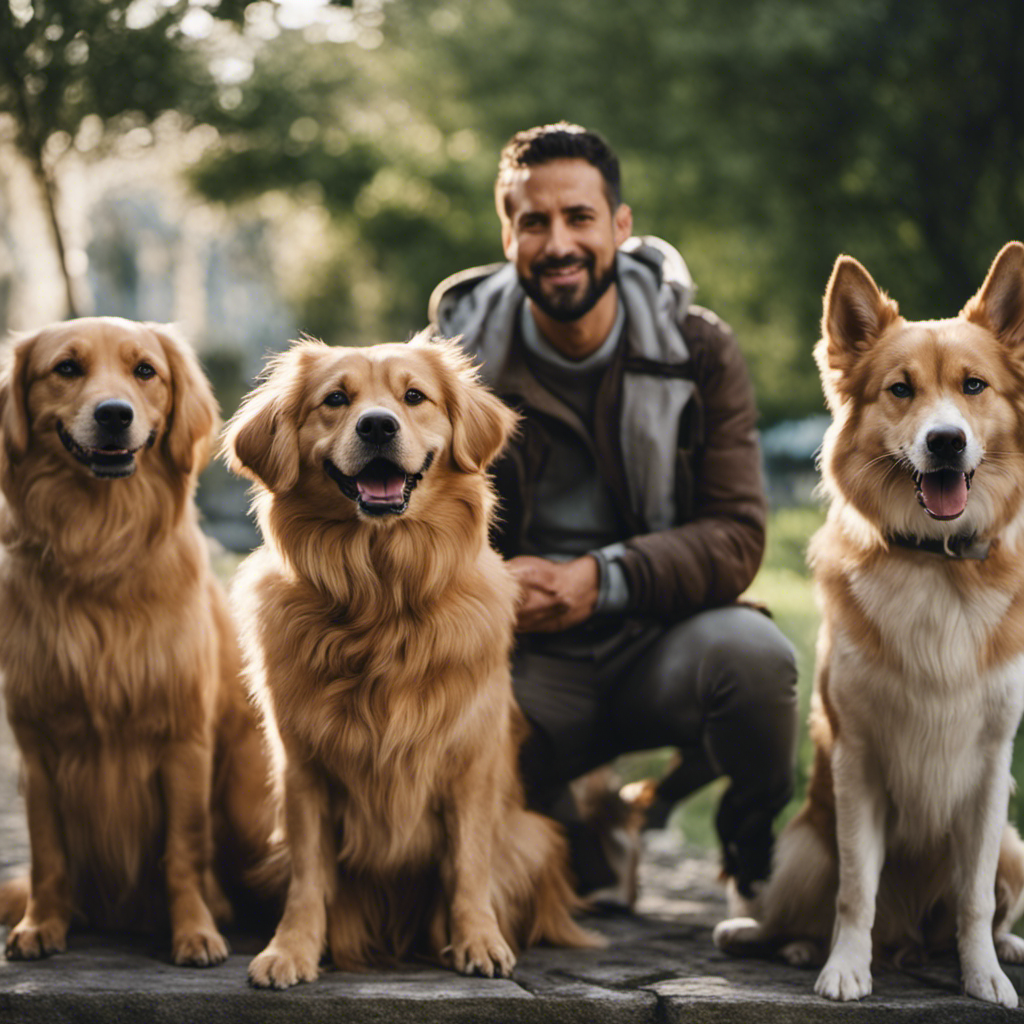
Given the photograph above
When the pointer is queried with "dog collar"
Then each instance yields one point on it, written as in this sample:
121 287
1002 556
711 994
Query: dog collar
964 546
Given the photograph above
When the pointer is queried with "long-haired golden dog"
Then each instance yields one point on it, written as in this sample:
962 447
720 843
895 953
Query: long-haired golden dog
903 842
378 623
120 662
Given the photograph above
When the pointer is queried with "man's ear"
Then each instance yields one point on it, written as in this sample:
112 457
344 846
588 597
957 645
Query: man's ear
261 440
14 421
999 303
195 414
623 223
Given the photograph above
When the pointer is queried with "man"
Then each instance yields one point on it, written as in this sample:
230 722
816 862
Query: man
632 504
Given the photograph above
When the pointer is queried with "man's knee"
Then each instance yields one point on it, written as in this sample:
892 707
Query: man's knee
746 658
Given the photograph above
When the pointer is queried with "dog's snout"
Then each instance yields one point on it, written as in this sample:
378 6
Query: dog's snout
114 414
946 442
377 426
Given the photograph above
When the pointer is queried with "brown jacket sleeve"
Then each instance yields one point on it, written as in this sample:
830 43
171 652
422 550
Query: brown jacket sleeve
710 558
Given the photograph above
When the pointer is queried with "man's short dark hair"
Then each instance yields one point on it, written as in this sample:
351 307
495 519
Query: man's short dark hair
559 141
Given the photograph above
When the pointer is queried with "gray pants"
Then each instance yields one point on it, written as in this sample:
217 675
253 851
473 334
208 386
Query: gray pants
720 687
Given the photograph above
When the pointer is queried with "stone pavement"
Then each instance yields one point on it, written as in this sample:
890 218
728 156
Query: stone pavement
660 966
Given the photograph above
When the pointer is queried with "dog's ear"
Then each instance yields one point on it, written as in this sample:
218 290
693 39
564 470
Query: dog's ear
999 303
195 414
261 441
14 423
481 422
856 314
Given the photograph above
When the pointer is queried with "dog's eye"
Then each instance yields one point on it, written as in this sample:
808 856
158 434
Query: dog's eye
901 389
414 397
336 398
974 386
68 368
144 371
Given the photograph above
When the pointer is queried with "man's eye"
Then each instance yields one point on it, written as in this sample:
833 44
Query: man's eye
414 397
901 389
68 368
144 371
974 386
336 398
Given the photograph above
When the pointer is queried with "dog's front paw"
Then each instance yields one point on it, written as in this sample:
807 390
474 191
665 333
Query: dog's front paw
993 986
29 941
733 934
844 981
199 947
277 967
485 953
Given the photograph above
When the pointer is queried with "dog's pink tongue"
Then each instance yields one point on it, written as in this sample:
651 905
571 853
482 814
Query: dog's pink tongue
382 490
944 493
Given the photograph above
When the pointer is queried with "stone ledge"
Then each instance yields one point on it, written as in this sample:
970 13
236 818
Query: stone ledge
657 971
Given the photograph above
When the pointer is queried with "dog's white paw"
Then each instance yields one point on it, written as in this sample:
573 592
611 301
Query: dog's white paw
1010 948
843 980
993 986
731 935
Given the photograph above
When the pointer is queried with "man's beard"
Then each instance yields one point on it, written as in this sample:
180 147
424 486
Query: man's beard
563 305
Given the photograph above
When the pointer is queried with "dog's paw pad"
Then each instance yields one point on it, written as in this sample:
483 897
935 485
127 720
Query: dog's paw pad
844 982
275 968
203 947
31 942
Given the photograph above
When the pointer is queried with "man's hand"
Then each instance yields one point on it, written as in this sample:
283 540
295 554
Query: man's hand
554 595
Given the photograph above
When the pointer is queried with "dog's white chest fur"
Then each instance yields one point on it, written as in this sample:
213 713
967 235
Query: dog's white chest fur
934 722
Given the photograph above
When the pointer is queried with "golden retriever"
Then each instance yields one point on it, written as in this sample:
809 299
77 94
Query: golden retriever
377 622
120 661
903 843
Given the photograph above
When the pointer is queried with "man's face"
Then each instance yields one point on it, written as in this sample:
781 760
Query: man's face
562 236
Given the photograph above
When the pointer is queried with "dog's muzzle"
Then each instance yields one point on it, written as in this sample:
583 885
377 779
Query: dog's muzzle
108 461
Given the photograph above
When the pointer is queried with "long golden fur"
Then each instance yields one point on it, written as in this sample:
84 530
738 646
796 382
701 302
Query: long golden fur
903 844
119 658
377 621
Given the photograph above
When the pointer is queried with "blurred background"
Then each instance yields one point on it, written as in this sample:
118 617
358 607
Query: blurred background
253 170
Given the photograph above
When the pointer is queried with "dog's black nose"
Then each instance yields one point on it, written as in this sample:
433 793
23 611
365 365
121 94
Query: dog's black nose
946 442
114 415
377 426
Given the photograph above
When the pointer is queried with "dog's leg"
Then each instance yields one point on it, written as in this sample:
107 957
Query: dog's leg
477 945
44 927
294 952
860 831
977 835
185 773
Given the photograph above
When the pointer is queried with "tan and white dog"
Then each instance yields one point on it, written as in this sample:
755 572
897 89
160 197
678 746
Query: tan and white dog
903 843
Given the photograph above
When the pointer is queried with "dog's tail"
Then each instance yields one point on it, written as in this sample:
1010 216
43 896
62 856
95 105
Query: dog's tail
537 900
13 900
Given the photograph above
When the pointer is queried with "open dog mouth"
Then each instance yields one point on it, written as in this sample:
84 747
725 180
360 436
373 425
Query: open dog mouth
380 488
104 461
943 493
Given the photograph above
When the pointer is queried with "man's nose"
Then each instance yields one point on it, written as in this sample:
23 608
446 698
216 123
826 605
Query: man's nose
560 241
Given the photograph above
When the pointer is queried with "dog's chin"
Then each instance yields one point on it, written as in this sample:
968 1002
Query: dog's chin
105 463
381 488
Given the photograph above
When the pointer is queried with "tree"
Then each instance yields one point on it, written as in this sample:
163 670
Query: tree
111 64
